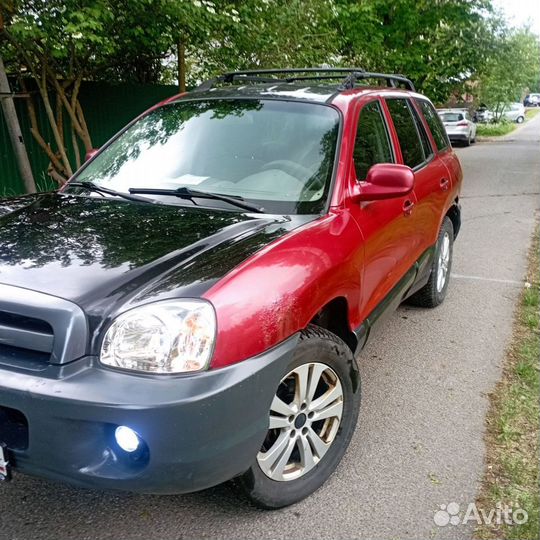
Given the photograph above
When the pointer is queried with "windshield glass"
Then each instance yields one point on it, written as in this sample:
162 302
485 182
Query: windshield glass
277 154
451 117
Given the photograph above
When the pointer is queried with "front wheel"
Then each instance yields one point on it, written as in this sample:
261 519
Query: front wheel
311 421
520 119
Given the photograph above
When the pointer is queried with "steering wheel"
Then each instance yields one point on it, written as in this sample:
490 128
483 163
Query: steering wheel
290 167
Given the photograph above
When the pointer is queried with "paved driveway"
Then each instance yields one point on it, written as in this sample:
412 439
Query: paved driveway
425 376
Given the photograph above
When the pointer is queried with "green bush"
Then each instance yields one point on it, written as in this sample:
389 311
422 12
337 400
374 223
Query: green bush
495 130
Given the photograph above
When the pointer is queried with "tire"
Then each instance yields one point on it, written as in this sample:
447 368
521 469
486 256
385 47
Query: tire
432 293
520 119
468 140
273 487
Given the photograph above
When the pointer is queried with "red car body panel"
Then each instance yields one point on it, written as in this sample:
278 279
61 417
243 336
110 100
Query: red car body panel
357 251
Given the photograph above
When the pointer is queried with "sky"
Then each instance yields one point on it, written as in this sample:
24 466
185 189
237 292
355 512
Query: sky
519 12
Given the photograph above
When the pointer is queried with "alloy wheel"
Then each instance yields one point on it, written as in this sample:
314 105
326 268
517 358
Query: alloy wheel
443 263
305 415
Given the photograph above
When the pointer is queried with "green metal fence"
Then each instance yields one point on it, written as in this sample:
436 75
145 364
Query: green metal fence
107 109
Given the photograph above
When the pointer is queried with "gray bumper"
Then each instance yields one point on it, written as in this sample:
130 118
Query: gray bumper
200 430
458 137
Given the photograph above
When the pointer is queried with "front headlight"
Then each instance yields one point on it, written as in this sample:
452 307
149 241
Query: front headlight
172 336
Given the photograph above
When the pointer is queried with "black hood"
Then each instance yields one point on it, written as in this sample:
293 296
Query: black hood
100 251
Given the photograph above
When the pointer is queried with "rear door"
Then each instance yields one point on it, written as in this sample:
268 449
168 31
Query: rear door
430 175
444 153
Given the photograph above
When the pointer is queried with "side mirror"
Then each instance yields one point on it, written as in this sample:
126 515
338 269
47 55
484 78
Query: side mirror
90 154
385 181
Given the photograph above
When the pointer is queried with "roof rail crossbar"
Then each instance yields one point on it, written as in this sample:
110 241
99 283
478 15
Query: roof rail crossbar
391 80
301 74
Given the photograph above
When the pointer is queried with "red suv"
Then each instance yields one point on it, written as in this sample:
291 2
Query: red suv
188 308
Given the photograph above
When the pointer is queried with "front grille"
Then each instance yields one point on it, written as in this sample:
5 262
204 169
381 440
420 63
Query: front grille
13 428
19 357
40 327
27 333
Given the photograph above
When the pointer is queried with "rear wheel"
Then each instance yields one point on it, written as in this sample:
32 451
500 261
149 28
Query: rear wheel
311 421
434 291
520 119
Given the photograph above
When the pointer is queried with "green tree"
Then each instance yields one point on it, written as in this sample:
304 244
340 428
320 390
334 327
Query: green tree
267 34
61 43
440 45
511 71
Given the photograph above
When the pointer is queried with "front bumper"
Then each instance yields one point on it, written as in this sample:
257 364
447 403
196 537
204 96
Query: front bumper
199 430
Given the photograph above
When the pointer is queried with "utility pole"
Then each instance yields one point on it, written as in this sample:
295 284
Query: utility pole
14 130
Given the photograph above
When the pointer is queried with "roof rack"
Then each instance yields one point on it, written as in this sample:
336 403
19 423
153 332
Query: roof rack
352 75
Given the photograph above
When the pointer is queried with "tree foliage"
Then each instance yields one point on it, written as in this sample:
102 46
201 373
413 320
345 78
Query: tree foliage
512 69
270 33
440 45
60 43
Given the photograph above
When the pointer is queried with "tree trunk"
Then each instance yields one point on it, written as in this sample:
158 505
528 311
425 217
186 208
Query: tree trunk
52 121
14 131
76 149
181 67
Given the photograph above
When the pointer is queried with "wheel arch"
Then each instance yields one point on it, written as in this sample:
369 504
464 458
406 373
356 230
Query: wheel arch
334 317
454 214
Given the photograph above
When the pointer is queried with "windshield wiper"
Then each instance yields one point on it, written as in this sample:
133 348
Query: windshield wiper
188 193
90 186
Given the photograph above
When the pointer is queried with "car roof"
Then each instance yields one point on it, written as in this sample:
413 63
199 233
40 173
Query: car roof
290 91
294 91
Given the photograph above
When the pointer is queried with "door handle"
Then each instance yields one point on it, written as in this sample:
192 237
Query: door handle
445 184
408 207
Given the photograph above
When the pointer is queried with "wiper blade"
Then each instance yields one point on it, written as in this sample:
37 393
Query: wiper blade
100 189
188 193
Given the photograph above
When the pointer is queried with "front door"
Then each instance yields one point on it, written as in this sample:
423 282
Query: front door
387 226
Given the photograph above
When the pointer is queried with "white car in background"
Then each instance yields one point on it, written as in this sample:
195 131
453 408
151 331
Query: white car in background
514 112
459 126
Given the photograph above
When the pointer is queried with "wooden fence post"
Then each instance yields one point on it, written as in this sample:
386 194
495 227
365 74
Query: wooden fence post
14 130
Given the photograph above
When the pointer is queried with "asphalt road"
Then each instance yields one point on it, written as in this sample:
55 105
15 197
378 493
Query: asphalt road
426 375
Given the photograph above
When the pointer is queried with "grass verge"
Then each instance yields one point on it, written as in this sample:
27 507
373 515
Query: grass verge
495 130
531 113
511 476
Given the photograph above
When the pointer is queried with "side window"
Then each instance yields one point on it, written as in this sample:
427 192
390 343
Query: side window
435 124
409 140
372 143
426 144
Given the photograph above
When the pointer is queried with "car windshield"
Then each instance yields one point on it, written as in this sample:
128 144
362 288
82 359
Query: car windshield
451 117
276 154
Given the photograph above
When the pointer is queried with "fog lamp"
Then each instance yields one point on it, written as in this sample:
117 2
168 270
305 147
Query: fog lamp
127 439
